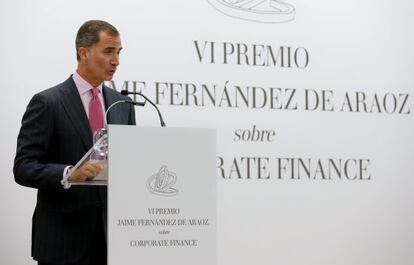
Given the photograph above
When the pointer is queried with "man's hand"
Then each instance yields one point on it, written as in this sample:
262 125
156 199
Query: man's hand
88 171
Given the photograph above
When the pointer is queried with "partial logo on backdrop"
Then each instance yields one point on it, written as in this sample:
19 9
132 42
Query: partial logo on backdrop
162 183
263 11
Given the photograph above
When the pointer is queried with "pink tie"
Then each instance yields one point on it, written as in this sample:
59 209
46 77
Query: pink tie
95 111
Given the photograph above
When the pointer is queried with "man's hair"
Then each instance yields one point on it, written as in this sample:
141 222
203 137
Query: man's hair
88 34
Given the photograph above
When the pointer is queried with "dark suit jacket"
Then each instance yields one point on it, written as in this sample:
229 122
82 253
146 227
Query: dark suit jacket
55 133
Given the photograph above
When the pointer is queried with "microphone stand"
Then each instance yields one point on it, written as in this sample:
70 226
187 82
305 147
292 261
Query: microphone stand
126 92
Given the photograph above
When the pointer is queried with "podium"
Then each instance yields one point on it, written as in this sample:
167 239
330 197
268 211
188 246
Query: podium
161 196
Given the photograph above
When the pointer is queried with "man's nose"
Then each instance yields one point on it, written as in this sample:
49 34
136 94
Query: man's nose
115 60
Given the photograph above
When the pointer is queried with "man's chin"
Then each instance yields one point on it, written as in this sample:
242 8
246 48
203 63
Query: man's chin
109 77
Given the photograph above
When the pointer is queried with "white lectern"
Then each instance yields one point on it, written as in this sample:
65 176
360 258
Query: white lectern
161 196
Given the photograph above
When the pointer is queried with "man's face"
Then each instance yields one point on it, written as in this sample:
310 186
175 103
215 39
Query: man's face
102 59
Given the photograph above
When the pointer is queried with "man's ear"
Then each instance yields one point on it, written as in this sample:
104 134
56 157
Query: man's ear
83 53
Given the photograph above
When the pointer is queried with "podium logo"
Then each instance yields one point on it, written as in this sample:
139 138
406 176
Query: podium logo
162 182
263 11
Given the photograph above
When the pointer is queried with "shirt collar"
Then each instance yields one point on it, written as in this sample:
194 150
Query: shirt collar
82 85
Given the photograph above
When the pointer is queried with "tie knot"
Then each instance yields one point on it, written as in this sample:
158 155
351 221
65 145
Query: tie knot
95 91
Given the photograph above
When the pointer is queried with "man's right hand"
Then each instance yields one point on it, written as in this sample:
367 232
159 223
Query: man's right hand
88 171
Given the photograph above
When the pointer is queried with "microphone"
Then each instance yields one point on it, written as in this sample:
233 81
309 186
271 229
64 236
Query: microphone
118 102
126 92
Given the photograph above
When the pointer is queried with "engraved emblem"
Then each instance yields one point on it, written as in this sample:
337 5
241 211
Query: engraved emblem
162 182
263 11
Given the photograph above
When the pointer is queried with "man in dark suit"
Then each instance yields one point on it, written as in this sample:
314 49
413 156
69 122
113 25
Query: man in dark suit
69 222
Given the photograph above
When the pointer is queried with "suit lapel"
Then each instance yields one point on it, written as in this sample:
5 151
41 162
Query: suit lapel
74 108
109 100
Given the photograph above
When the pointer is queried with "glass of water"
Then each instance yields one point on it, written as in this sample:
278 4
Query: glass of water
100 147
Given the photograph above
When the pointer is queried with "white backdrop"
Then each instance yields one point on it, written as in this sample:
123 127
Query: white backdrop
352 46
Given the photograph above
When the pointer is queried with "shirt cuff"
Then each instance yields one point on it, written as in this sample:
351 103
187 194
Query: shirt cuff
65 183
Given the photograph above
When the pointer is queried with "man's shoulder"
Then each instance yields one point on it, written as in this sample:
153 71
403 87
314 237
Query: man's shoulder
57 90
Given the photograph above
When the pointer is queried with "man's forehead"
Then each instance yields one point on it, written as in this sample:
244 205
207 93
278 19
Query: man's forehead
109 40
